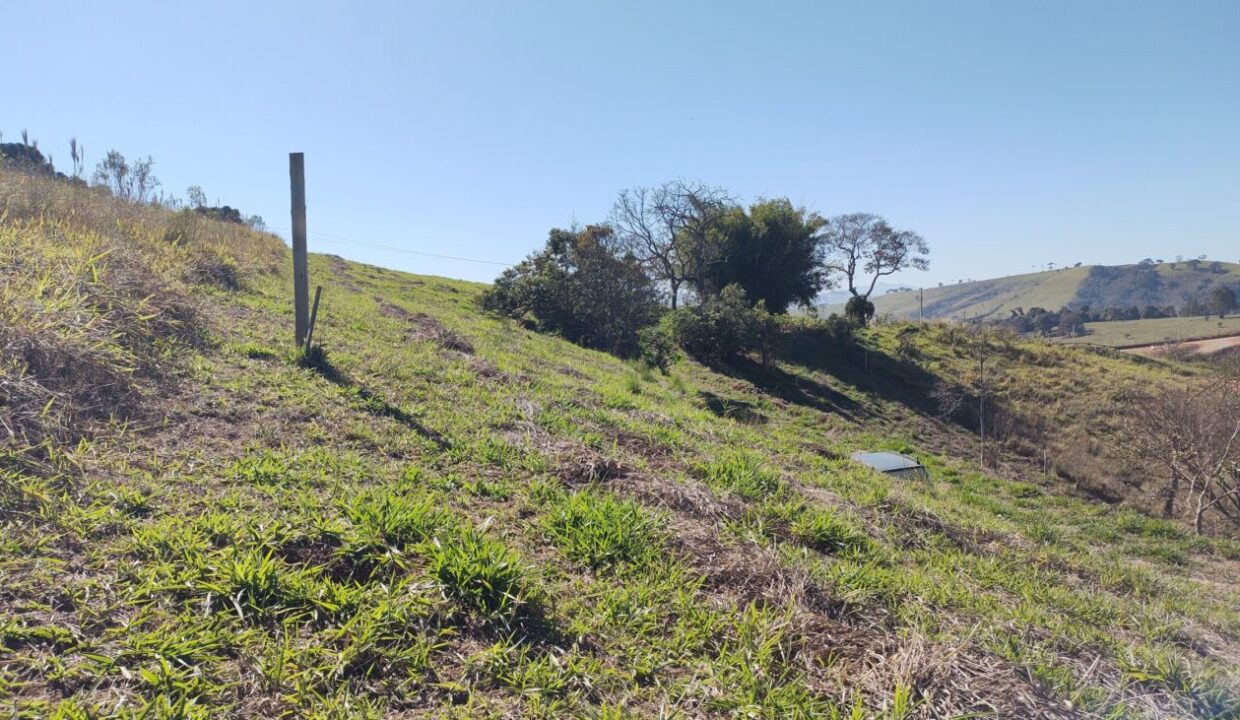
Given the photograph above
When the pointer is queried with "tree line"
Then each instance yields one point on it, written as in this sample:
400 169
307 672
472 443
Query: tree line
685 264
1070 321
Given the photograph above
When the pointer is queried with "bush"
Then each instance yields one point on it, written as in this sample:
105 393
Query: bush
813 342
859 311
578 287
657 345
832 330
724 327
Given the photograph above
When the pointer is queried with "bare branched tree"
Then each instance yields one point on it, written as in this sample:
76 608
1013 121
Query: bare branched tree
197 196
128 182
861 246
668 229
144 182
1190 437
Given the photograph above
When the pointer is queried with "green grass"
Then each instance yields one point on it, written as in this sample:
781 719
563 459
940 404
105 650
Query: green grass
603 531
1125 333
484 576
508 525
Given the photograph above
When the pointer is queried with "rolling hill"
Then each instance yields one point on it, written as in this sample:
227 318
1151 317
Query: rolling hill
445 514
1154 331
1098 286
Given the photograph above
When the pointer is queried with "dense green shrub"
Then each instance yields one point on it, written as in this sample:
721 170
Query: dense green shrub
831 330
859 311
657 345
578 287
724 327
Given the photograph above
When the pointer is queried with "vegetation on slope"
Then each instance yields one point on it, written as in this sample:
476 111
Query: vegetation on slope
1098 286
97 297
465 518
1130 333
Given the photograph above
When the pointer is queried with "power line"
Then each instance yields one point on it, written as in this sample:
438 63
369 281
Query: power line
380 246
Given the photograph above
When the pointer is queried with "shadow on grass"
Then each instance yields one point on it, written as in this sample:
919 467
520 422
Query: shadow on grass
316 360
379 407
739 410
792 388
887 378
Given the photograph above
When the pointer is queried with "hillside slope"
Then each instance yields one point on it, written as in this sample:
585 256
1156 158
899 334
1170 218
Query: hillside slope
1098 286
454 516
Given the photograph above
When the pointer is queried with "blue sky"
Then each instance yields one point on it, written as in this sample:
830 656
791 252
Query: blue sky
1010 134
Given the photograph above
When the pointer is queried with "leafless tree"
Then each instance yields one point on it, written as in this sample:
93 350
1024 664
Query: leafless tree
127 182
1190 437
196 195
668 229
861 246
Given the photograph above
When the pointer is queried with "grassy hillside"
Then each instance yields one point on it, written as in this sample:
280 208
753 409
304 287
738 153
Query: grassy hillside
457 517
1126 333
1097 286
986 298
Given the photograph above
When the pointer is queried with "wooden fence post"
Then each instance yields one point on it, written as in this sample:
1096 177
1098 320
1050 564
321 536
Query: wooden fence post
301 273
314 314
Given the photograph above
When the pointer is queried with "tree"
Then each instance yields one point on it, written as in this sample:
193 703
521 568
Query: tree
668 229
861 246
127 182
1046 322
1222 300
1071 323
579 287
1192 306
771 252
986 346
1190 436
197 197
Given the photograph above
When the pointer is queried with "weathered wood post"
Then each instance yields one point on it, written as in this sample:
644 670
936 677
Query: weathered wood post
301 273
314 314
981 409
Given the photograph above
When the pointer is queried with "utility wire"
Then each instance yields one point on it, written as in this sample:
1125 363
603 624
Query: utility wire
366 243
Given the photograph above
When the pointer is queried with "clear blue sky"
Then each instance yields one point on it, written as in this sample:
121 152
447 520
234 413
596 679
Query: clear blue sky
1008 133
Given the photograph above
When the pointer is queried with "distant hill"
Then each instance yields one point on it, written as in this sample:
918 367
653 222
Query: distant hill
1098 286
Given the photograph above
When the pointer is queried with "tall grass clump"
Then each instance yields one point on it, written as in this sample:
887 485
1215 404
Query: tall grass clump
95 300
484 576
601 530
742 474
382 517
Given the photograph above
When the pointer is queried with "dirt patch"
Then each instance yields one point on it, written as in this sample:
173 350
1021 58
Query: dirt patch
572 372
591 468
486 369
424 327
